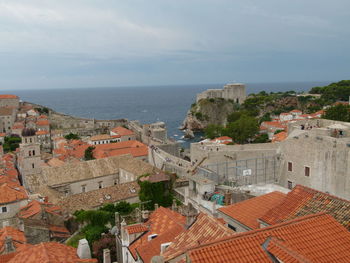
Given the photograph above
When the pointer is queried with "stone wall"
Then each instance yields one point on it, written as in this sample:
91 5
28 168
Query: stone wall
235 92
328 160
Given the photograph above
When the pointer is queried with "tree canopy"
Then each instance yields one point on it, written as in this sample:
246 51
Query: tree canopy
338 112
89 153
72 136
242 129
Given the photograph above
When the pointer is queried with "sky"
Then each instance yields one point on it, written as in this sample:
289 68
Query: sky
92 43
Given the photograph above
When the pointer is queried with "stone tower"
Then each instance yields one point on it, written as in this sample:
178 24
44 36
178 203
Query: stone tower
29 156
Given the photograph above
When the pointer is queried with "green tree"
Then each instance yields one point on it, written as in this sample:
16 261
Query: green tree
213 131
157 193
338 112
243 129
261 138
11 143
72 136
89 153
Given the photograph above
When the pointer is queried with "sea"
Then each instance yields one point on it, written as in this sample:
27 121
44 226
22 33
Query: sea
167 103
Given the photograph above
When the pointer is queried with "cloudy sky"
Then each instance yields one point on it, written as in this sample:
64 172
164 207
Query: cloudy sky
87 43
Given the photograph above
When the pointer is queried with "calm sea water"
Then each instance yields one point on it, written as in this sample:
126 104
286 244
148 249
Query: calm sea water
146 104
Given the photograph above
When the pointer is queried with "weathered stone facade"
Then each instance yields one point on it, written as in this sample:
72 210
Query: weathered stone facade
234 91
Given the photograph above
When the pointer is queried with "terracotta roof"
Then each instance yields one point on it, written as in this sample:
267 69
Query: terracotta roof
49 252
93 199
133 147
205 229
275 124
296 111
122 131
223 138
42 123
72 172
18 237
2 134
156 177
43 117
249 211
6 257
137 228
41 132
281 136
318 238
35 207
8 96
305 201
100 137
9 194
55 162
164 222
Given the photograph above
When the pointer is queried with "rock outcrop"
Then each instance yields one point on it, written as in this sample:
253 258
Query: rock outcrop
208 111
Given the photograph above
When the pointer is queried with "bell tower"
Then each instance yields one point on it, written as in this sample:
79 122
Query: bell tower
29 156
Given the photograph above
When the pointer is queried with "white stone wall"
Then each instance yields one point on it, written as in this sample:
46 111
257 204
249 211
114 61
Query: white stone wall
12 210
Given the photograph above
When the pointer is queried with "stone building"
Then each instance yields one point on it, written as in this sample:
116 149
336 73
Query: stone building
234 91
317 154
42 222
12 198
7 119
29 156
9 101
81 177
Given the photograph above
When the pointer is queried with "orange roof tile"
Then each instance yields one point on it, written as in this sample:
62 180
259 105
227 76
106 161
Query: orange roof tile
296 111
100 137
249 211
41 132
164 222
281 136
205 229
8 96
49 252
122 131
42 123
2 134
137 228
43 117
9 194
318 238
35 207
18 237
305 201
275 124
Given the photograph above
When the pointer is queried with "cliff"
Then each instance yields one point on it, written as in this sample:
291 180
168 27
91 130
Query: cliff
208 111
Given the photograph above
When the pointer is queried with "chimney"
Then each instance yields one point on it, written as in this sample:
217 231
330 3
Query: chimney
106 256
83 250
174 205
9 247
227 198
156 206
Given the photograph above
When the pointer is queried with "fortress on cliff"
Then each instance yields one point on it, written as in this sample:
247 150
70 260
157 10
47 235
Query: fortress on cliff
233 91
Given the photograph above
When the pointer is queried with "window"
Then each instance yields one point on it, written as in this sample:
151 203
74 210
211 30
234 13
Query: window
30 153
33 152
30 139
33 165
99 185
290 166
307 171
83 188
4 209
290 185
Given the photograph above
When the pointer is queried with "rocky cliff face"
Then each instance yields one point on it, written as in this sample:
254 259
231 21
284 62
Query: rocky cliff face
208 111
